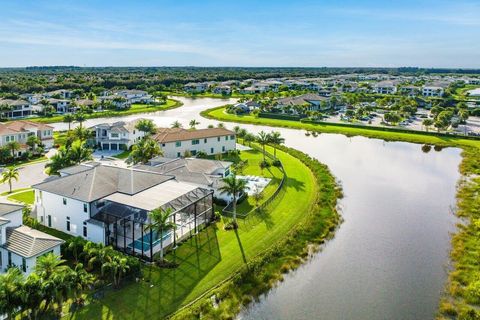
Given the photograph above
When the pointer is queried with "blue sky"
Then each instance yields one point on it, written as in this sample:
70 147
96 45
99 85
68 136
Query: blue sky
240 33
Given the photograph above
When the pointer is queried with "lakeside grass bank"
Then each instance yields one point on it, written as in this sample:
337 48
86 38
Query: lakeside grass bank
134 109
461 296
216 258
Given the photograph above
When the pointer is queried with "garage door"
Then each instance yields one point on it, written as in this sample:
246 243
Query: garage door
114 146
105 146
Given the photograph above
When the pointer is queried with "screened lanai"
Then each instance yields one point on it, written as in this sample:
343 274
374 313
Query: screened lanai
126 221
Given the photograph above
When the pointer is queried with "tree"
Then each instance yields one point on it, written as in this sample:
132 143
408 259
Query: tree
68 118
176 124
75 247
391 117
32 142
144 150
58 161
45 106
49 265
220 125
79 152
242 133
81 280
276 139
146 126
193 123
10 292
8 175
234 187
80 118
263 138
427 123
32 295
13 146
161 223
117 266
249 138
257 195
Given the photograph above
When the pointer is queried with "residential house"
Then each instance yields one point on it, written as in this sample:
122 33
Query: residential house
20 130
223 90
111 205
33 98
435 89
205 173
119 135
306 102
195 87
13 109
134 96
410 91
118 102
386 87
176 142
20 246
60 105
60 94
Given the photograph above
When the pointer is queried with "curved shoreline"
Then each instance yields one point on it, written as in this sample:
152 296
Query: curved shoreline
458 298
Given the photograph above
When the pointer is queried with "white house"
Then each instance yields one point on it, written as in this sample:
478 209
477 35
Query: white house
310 101
60 105
134 96
20 246
223 89
110 205
20 130
119 135
61 94
177 142
195 87
13 109
436 89
386 87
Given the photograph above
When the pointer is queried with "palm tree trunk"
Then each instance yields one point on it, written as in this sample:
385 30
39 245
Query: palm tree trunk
161 244
235 210
10 185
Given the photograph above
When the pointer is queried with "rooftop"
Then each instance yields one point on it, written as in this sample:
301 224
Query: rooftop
28 242
164 135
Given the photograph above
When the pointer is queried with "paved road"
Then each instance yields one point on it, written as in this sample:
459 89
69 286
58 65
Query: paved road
28 175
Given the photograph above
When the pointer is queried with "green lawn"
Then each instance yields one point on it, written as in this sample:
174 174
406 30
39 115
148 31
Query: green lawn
26 197
213 255
134 109
124 155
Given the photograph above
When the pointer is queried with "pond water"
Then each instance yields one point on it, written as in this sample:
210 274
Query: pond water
389 257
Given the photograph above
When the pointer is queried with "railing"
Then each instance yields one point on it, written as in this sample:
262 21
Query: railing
228 210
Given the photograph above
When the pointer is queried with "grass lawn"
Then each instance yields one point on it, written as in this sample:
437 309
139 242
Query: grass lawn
213 255
6 193
134 109
123 155
26 197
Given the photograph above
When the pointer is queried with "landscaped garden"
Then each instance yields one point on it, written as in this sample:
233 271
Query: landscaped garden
210 259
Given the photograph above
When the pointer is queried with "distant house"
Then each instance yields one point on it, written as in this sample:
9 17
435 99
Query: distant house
436 89
196 87
85 103
386 87
61 94
309 101
223 90
410 91
134 96
117 101
33 98
20 130
60 105
13 109
21 246
119 135
246 106
176 142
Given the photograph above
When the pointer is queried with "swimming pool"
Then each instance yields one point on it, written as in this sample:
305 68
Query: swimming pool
137 244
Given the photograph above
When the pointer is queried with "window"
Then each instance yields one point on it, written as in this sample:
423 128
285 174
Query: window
163 144
114 135
133 131
178 155
85 229
218 139
193 152
49 220
85 207
211 150
178 144
223 149
205 140
64 201
195 141
1 262
232 137
226 138
9 258
24 265
68 223
100 203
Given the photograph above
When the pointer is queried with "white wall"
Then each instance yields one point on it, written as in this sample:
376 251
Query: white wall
170 150
48 203
17 260
95 233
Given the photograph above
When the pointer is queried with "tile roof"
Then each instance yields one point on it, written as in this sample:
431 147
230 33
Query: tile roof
28 242
299 100
6 208
164 135
22 126
101 181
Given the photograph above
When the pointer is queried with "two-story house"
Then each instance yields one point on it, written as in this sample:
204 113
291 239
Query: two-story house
14 109
20 246
178 142
134 96
20 130
119 135
386 87
305 102
436 89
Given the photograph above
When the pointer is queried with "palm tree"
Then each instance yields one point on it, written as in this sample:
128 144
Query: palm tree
10 292
13 146
117 267
80 133
49 265
81 280
160 223
33 141
249 138
234 187
144 150
68 118
276 139
32 295
220 125
80 118
193 123
427 123
58 161
45 106
242 133
75 246
8 175
79 152
176 124
146 126
263 138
